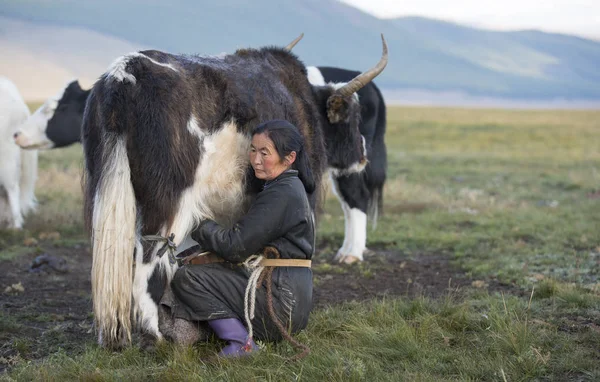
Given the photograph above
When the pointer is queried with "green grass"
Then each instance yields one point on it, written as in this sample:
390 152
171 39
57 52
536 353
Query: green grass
506 195
481 338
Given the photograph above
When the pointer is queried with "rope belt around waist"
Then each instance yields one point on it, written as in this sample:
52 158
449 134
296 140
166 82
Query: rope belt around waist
285 263
262 263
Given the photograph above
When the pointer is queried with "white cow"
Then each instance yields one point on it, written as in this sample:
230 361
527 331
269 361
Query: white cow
18 168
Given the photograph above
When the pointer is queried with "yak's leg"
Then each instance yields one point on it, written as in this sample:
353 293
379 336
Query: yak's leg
353 196
152 279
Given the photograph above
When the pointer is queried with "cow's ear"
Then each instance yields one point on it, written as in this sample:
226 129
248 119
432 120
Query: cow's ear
338 108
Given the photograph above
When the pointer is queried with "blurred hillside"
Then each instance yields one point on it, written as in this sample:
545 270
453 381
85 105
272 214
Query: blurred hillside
45 43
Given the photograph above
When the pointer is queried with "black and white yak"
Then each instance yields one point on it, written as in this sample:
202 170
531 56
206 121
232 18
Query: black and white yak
166 141
360 193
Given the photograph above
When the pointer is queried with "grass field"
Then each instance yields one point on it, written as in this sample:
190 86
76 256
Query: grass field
510 197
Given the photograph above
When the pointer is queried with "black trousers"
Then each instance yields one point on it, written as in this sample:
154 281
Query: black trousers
215 291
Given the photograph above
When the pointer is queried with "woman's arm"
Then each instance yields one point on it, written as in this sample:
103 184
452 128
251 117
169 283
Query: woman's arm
264 222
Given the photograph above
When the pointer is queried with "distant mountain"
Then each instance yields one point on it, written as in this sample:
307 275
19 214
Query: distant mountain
41 58
425 54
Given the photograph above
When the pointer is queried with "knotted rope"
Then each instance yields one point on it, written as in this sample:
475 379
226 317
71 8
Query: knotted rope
169 244
253 263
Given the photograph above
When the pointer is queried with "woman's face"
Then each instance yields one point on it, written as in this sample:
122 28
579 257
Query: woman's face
265 160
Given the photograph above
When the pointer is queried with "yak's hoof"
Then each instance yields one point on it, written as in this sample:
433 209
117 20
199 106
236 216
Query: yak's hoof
148 342
346 259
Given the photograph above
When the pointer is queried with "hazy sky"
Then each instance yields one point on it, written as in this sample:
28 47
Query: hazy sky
580 17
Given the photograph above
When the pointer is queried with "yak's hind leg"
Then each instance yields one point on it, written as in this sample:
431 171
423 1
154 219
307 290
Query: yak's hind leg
155 320
150 280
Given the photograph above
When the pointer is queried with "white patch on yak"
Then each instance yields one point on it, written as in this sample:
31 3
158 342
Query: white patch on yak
219 183
118 69
194 128
315 77
337 85
355 167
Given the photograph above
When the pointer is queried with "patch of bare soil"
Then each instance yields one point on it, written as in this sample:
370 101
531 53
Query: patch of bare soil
390 273
45 306
45 302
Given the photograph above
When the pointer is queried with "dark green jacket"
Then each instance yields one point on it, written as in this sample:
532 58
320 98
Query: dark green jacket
280 217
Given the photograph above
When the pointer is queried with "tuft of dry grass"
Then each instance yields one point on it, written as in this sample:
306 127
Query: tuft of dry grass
60 199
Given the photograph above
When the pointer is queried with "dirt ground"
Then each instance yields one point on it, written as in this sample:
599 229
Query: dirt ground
48 307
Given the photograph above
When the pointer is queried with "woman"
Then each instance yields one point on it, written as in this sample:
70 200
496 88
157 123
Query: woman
281 218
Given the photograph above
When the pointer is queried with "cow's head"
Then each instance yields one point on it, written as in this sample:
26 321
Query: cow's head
57 122
346 151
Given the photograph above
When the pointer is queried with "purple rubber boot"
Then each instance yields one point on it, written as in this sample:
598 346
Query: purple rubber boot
233 331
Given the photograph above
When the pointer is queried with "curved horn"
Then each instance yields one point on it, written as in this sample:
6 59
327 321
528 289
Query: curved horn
364 78
293 43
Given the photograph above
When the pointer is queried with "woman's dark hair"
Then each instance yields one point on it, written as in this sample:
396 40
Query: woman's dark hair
286 138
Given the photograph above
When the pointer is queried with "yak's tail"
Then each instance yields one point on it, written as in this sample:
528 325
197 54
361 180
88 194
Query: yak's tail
374 206
377 168
113 242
